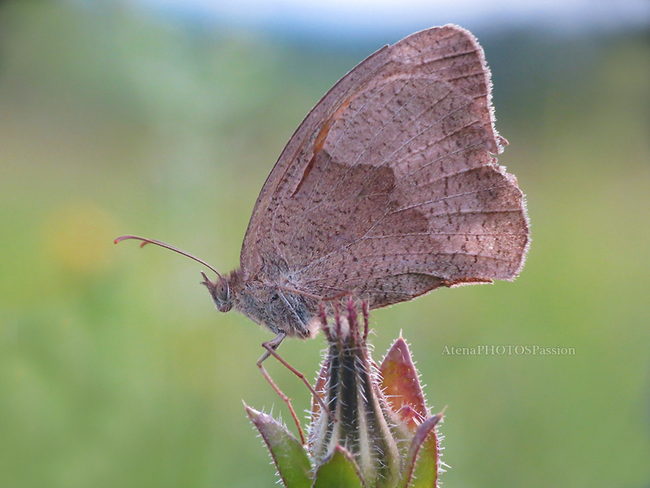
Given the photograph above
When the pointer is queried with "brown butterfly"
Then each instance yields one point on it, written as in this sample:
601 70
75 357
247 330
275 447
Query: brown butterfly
388 189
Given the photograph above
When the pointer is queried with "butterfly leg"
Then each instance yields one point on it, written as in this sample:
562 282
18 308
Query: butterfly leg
270 347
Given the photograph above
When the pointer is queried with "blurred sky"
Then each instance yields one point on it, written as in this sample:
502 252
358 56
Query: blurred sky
364 18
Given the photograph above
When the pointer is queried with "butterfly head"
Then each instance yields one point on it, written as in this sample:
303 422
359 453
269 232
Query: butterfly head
221 292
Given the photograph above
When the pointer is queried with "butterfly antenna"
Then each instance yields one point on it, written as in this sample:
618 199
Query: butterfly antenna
146 241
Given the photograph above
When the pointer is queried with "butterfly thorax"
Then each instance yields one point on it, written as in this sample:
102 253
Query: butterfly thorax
274 305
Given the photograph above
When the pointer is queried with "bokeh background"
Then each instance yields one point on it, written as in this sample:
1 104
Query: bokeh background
164 120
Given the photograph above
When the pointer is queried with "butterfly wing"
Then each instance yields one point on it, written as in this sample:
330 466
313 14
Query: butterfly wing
389 188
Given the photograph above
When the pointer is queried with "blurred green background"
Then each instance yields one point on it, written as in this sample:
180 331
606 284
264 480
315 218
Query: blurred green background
115 369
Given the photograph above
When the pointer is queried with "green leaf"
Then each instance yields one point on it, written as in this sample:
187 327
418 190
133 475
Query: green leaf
338 471
288 454
421 464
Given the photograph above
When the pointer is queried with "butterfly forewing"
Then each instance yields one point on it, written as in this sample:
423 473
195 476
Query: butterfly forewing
389 188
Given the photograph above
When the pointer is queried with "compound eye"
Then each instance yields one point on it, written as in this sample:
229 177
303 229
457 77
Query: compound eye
223 291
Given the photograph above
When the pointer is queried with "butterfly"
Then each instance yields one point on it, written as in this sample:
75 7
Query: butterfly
387 190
